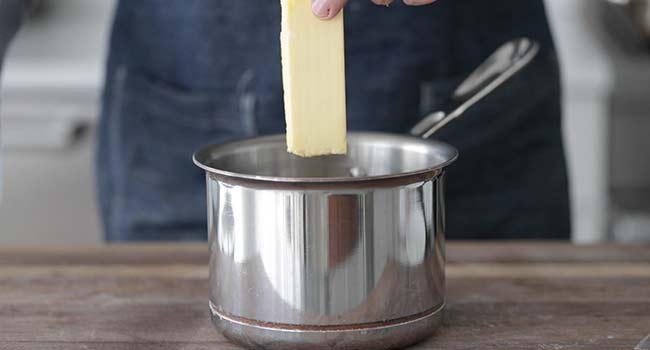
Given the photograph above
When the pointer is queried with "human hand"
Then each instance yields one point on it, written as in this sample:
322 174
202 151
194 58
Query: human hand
327 9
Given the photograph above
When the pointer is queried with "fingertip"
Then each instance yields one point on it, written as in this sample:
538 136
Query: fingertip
419 2
382 2
327 9
320 8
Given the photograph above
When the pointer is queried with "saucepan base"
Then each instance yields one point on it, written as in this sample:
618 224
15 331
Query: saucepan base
387 335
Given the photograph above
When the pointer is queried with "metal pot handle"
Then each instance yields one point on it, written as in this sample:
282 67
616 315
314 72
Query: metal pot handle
502 65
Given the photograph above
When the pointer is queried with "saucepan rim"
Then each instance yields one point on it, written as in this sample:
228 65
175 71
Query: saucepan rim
447 153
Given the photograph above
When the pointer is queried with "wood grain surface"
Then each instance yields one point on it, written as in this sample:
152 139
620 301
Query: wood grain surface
532 295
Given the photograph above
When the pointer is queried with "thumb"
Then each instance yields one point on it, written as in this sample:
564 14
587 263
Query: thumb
327 9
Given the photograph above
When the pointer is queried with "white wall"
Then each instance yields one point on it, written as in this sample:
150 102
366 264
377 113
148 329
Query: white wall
51 84
587 76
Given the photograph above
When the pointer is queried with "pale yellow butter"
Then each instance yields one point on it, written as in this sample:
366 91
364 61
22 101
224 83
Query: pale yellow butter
313 74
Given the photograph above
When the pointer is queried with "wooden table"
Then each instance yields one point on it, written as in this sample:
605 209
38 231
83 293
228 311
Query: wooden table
500 296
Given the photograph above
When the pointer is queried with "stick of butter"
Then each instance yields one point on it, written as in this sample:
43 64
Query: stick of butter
313 74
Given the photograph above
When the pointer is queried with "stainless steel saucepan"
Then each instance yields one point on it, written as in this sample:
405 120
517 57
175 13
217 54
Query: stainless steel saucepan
336 252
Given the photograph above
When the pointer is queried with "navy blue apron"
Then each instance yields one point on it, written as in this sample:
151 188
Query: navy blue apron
185 74
11 13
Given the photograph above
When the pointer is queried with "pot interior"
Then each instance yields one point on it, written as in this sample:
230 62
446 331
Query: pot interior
370 155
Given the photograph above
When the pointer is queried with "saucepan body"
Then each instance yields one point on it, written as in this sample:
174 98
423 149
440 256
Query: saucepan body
337 252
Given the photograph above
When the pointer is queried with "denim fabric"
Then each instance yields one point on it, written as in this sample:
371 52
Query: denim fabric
11 13
185 74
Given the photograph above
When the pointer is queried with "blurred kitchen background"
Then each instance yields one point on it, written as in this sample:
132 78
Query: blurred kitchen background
52 79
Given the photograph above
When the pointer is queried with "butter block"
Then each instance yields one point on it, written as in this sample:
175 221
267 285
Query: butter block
313 74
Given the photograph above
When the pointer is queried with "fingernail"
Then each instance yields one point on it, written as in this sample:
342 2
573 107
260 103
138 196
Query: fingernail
321 8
